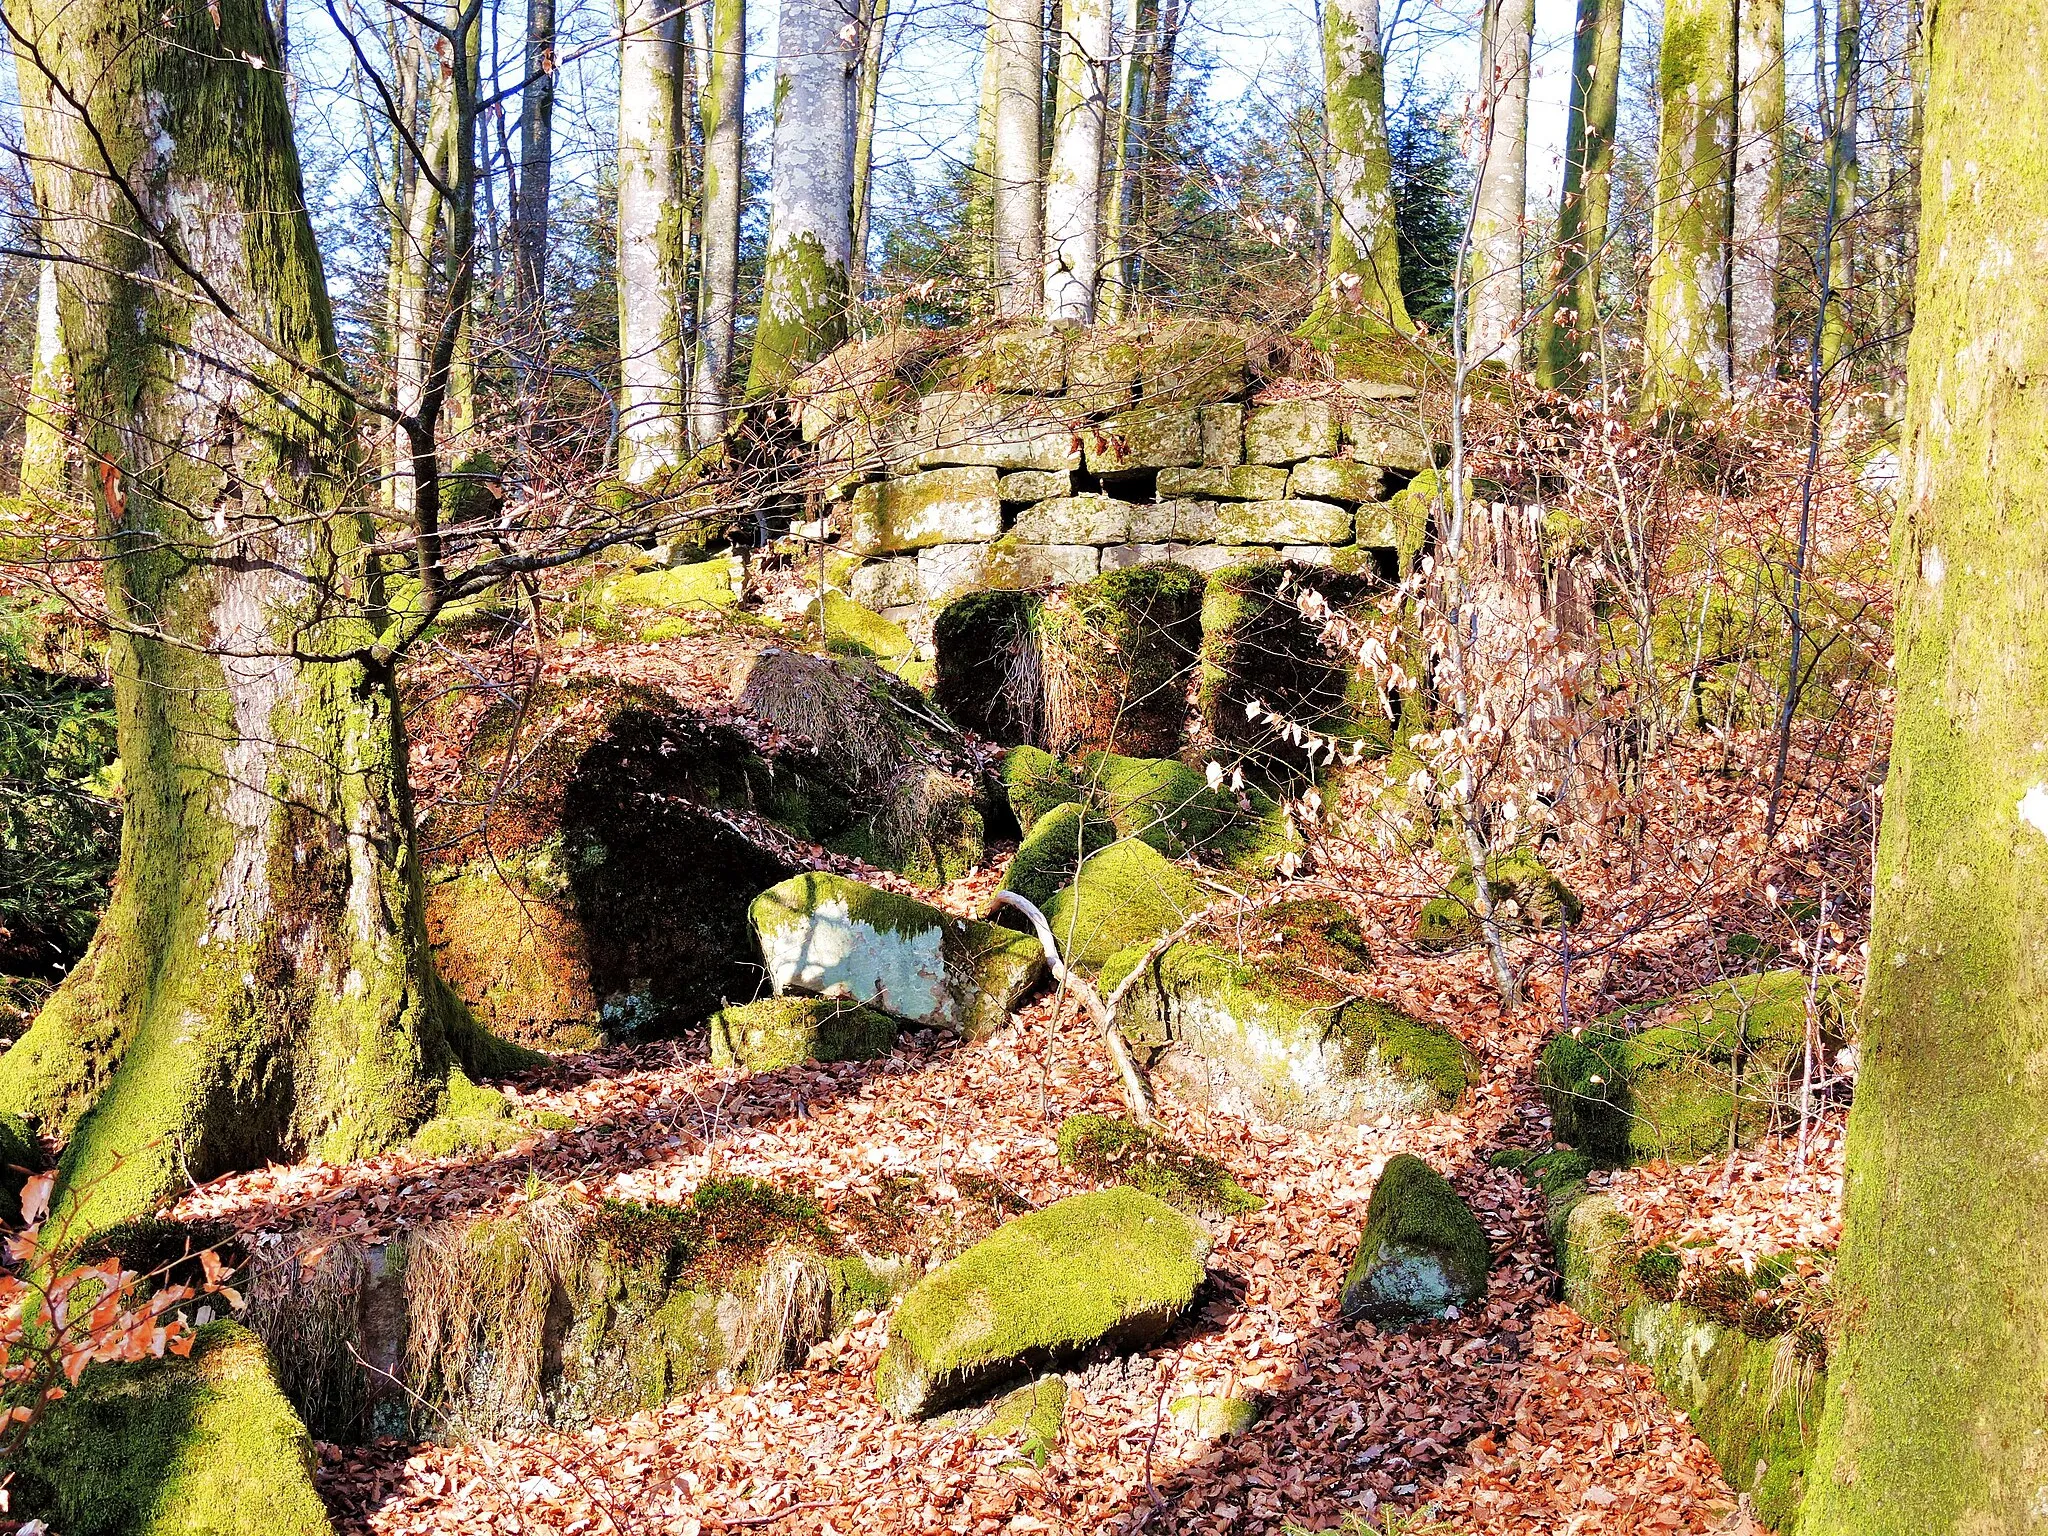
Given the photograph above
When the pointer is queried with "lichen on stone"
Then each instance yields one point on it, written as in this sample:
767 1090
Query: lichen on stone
1422 1253
789 1031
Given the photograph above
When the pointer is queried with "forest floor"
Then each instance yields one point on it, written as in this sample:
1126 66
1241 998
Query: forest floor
1520 1418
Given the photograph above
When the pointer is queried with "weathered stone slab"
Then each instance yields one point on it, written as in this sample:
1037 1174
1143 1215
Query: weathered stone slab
1308 554
1289 431
1035 485
1152 438
1102 368
886 584
1377 389
999 431
1029 360
1378 527
1283 522
941 506
1086 519
1234 482
1174 522
1423 1252
1191 362
1222 434
1206 558
1393 441
948 570
1336 480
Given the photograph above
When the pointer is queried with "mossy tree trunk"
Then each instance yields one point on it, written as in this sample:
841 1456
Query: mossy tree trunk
1685 332
1568 339
1362 280
718 275
1016 44
1493 280
1759 191
810 216
1843 151
1936 1383
43 452
1073 183
260 983
654 239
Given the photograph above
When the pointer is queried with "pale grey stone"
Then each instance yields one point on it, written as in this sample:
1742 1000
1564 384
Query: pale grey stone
948 570
1336 480
1222 434
999 431
1156 438
1035 485
1289 431
1176 522
885 584
941 506
1389 440
1283 522
1231 482
1086 519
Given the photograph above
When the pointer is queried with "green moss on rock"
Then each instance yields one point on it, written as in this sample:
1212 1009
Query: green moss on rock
1715 1068
1422 1253
789 1031
851 630
1211 1416
474 1120
1053 851
202 1446
1036 1413
1526 895
1112 1269
1114 1151
1036 781
1126 895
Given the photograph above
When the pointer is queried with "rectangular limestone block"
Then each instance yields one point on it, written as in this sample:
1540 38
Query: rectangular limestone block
1283 522
1028 360
940 506
1336 480
949 570
1388 439
885 584
1232 482
1289 431
998 431
1035 485
1154 438
1086 519
1222 434
1377 527
1206 558
1191 362
1102 368
1377 389
1174 522
1308 554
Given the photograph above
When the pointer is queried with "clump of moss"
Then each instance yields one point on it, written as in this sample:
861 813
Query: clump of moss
1037 1412
1422 1252
1053 851
1526 895
1114 1268
1554 1172
1658 1270
1169 806
788 1031
1109 1150
1123 896
168 1446
728 1225
1035 782
1213 1417
475 1120
1715 1071
851 630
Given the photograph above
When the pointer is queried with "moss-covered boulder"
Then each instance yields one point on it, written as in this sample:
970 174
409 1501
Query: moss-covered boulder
1526 895
1034 782
848 629
1175 810
1053 851
1127 895
1110 1150
581 881
201 1446
1678 1080
1033 1415
1107 1270
702 587
1423 1251
1214 1416
827 936
1102 665
789 1031
1261 1015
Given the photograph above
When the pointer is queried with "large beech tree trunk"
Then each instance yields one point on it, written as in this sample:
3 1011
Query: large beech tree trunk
1123 202
261 983
1016 41
1568 339
718 275
654 239
1493 303
810 215
1935 1386
1685 333
43 452
1073 183
1759 191
1362 293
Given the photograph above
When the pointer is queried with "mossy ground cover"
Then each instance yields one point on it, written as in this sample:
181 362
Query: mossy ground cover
1116 1151
1526 895
789 1031
1111 1269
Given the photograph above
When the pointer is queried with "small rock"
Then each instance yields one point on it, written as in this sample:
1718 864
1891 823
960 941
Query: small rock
1423 1250
1206 1416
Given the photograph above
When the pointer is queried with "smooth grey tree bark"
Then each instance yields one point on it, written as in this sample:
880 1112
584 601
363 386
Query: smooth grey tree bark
1493 306
654 239
1016 43
723 107
1073 186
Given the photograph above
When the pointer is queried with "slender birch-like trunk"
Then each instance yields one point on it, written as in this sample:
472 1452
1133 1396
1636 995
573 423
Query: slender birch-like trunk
1362 283
1685 332
723 115
810 216
1936 1366
1016 45
1073 184
867 102
1569 334
43 452
412 284
1133 125
1759 191
1844 147
654 239
1493 305
536 174
261 984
